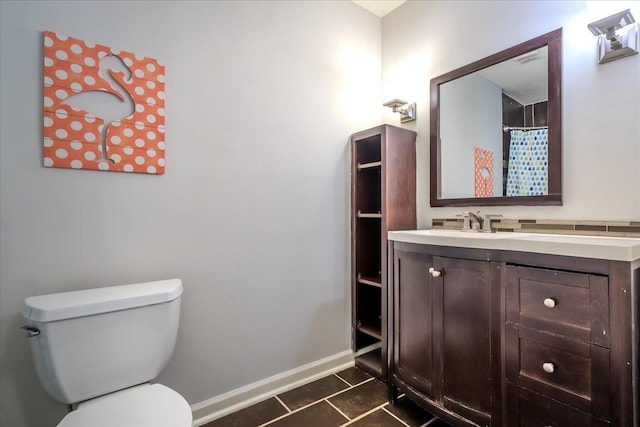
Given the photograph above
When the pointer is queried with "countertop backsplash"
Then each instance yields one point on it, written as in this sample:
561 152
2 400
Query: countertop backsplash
551 226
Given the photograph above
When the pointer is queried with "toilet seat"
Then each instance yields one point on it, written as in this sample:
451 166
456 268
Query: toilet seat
142 405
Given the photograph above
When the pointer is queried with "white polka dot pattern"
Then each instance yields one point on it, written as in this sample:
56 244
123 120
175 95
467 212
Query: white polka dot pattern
72 137
528 172
483 172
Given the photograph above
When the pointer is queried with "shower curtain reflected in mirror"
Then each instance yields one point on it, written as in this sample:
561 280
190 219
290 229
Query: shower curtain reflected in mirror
528 173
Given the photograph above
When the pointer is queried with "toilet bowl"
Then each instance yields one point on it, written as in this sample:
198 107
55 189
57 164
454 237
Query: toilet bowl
99 349
152 405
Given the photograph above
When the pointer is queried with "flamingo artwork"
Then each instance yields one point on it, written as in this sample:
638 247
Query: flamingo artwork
107 106
103 108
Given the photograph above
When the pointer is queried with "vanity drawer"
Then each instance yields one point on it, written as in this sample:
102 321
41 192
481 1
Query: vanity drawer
530 409
574 305
546 366
567 370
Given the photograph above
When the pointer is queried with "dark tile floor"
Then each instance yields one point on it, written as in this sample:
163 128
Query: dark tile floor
347 398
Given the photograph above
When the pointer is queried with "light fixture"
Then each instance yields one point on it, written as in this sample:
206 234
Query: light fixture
614 44
407 110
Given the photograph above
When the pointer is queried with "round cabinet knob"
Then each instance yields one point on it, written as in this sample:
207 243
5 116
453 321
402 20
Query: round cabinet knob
549 302
436 273
548 367
431 270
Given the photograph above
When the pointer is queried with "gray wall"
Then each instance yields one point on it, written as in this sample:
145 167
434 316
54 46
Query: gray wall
600 103
252 213
470 109
253 210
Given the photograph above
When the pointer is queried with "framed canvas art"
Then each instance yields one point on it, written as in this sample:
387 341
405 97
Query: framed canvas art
103 109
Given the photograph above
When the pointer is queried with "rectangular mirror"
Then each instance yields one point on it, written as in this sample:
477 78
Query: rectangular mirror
496 131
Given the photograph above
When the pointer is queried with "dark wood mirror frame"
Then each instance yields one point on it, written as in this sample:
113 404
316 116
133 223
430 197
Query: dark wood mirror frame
553 41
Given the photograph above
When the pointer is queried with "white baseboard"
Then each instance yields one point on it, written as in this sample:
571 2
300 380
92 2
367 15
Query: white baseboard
243 397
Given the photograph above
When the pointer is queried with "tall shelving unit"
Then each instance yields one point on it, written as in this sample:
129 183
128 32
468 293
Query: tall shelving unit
383 198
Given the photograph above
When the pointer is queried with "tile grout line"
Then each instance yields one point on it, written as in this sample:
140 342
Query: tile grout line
361 416
282 403
342 391
314 402
344 381
275 419
431 421
339 411
394 416
337 374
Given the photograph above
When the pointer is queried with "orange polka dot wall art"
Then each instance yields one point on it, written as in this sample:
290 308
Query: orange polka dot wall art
103 108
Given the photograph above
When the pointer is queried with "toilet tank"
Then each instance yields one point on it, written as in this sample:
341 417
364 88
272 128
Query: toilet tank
96 341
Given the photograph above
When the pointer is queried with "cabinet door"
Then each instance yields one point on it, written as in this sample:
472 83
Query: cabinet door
468 288
413 337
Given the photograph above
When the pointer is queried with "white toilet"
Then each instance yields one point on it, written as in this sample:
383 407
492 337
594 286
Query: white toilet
98 349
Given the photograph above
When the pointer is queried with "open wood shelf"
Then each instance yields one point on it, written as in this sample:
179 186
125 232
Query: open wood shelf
369 165
371 362
371 331
382 199
370 281
369 215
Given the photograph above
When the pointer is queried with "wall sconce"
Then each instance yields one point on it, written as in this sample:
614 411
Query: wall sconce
613 44
407 110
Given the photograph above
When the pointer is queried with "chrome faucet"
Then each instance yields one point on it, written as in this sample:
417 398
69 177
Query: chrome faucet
473 222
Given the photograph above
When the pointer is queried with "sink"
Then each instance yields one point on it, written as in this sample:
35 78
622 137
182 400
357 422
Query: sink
457 238
457 234
586 240
600 247
612 248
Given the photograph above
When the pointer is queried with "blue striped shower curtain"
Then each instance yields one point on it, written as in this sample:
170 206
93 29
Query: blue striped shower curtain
528 172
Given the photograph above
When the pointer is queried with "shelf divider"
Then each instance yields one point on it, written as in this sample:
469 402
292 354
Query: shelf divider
369 165
371 281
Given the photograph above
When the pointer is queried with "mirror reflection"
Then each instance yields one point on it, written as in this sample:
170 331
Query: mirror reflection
495 121
495 135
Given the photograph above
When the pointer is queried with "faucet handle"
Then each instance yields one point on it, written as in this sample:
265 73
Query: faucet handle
466 225
486 223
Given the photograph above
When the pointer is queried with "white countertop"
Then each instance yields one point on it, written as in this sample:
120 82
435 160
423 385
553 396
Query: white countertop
600 247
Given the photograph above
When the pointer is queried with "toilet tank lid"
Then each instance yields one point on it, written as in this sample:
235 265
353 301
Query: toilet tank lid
87 302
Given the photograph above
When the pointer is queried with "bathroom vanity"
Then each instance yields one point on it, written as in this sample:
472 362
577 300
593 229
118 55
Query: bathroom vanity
508 329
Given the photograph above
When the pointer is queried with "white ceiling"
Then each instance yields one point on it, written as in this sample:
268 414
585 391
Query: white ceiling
526 83
523 80
379 7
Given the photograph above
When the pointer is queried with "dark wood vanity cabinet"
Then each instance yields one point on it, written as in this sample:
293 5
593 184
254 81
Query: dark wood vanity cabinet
557 345
505 338
445 347
469 355
415 340
571 352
